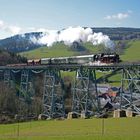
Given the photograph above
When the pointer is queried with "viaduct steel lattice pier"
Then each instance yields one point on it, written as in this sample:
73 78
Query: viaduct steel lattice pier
85 95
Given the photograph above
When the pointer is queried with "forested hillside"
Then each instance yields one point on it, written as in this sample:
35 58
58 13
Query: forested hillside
29 41
10 57
120 33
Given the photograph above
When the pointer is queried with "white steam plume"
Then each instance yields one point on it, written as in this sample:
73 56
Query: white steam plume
71 34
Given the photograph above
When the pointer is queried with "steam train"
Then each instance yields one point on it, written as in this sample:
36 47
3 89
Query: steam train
94 59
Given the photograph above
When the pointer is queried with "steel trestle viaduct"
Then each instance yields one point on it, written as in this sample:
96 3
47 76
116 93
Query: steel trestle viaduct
85 94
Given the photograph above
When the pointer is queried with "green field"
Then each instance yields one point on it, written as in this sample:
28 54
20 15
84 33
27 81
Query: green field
76 129
131 53
59 49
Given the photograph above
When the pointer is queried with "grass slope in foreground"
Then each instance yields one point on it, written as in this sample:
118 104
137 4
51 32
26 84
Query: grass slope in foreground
77 129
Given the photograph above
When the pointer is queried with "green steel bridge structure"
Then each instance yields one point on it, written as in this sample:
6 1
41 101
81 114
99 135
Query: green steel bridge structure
85 94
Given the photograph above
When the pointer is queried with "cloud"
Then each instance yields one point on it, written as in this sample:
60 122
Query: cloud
30 29
13 29
41 30
119 16
1 24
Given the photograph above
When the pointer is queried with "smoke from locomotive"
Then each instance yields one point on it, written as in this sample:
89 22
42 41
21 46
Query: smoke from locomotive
73 34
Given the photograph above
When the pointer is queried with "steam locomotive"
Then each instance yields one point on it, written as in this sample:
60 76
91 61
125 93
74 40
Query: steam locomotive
94 59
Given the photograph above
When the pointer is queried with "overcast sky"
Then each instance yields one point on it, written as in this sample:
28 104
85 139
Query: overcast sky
19 16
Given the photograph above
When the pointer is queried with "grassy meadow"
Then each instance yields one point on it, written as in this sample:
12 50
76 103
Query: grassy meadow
59 49
131 53
81 129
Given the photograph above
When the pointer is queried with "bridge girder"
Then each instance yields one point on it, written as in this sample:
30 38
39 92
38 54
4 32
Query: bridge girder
26 90
7 77
130 89
53 97
85 95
